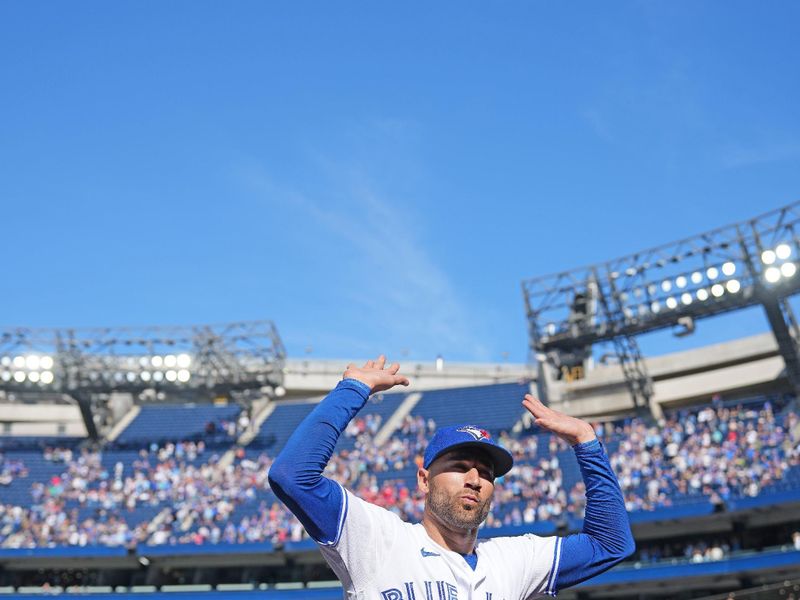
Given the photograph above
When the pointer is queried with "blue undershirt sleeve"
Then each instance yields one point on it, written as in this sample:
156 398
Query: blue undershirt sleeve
606 538
296 475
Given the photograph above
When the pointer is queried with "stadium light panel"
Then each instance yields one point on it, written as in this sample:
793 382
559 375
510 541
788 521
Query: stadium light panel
184 360
783 251
702 294
156 361
5 361
130 376
697 277
46 363
672 303
171 375
19 362
717 290
712 273
655 307
5 376
33 376
158 376
32 362
666 285
184 375
772 275
19 376
788 269
768 257
686 298
145 375
728 269
170 360
680 281
733 286
47 377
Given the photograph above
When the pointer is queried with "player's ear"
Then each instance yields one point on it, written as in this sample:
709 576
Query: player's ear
422 480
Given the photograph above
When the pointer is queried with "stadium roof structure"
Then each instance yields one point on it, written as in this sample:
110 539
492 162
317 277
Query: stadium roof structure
205 361
730 268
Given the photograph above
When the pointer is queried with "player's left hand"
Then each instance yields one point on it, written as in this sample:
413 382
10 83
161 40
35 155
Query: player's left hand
571 430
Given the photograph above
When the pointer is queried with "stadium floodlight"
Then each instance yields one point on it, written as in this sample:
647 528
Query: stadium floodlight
201 361
721 270
772 275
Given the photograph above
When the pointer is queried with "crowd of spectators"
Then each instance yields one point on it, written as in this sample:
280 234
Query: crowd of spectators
11 469
202 496
718 452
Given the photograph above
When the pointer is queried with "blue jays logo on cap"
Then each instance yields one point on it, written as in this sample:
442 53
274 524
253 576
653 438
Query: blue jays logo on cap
461 436
478 434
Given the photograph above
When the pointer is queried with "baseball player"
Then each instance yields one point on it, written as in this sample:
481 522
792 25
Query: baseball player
378 556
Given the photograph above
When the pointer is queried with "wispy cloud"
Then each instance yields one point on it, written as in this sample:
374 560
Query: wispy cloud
412 301
739 155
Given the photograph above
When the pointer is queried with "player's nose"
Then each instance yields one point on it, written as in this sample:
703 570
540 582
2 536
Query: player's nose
472 478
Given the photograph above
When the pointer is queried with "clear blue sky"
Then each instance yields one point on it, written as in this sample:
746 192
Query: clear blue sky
375 176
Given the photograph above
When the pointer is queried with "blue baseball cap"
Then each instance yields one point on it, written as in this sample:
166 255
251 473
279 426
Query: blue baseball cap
468 436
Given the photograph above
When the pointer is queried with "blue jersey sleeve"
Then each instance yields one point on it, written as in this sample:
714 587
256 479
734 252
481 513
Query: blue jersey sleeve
606 538
296 475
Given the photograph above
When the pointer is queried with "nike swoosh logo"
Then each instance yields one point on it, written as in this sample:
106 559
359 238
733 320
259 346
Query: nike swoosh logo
426 554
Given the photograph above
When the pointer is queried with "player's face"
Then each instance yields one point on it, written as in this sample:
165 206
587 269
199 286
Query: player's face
460 485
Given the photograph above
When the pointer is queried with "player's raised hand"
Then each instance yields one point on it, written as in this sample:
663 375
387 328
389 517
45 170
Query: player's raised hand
571 430
376 374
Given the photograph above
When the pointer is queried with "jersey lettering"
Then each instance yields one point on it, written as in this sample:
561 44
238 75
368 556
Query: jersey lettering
410 595
445 591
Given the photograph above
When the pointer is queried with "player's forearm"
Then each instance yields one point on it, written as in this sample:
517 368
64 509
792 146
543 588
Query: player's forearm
606 538
296 475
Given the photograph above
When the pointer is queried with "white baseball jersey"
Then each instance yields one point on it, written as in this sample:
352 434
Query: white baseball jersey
378 556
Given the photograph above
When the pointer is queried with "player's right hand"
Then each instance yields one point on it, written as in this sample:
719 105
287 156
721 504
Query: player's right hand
376 375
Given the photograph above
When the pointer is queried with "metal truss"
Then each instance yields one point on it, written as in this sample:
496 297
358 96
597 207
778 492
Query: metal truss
204 361
726 269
